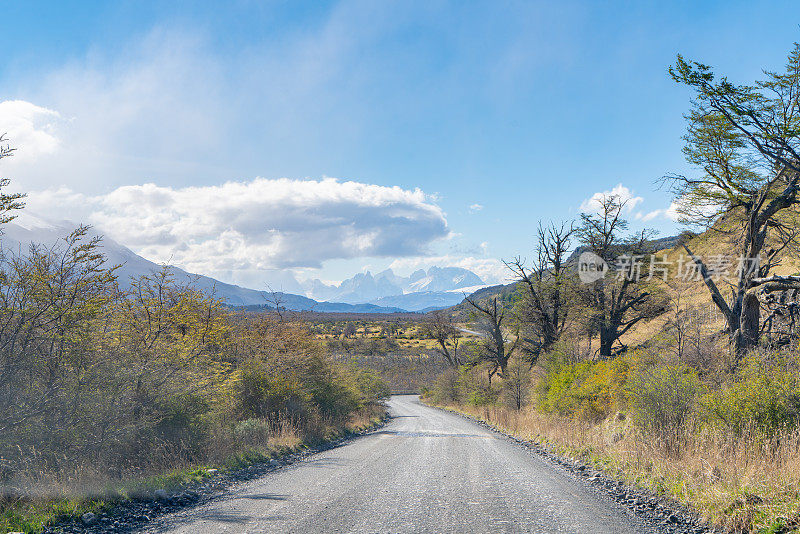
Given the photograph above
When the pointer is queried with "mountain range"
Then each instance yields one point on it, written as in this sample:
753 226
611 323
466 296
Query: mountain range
436 287
386 292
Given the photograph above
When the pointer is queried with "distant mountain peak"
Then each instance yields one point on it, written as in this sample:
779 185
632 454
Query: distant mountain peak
416 275
420 290
28 228
437 287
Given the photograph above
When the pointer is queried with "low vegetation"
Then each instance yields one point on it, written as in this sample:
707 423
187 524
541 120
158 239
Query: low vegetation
732 451
107 388
679 376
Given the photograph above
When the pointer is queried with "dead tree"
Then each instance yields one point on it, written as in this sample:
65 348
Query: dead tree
496 349
543 309
439 326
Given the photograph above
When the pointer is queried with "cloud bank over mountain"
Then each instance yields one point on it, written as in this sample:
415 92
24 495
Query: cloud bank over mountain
260 224
385 292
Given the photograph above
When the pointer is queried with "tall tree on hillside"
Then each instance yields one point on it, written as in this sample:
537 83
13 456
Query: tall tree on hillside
745 142
546 290
629 295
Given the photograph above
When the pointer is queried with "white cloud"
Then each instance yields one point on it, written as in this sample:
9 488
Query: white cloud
593 203
670 212
173 107
475 207
30 129
649 216
161 108
260 224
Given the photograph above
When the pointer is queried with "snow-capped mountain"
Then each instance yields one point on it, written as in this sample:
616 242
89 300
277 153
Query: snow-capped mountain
436 287
442 279
26 229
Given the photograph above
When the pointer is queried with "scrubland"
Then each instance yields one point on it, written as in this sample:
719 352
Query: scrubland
107 388
725 442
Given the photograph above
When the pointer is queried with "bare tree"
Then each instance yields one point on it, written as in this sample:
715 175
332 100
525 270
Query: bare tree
517 382
745 143
616 305
783 312
679 321
543 310
496 349
439 326
274 300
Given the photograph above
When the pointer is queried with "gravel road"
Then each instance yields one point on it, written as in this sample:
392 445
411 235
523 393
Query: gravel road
425 471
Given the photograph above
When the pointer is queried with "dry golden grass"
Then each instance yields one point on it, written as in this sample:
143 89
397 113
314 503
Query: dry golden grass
49 494
746 484
284 435
367 417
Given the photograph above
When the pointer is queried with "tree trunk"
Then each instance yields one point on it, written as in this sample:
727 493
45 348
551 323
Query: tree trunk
607 338
503 363
746 336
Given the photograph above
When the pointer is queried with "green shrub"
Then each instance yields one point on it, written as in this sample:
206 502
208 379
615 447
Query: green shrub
446 388
765 396
182 420
371 387
252 431
335 398
665 399
264 392
589 390
475 388
555 388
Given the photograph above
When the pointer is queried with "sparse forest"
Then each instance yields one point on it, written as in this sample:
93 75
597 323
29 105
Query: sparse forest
679 370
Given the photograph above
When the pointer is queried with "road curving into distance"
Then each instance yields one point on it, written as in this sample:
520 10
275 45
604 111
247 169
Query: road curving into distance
427 470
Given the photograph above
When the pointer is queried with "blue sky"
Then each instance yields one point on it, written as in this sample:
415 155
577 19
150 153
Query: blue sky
499 113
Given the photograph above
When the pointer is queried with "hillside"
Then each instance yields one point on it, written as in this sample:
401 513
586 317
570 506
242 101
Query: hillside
18 236
462 310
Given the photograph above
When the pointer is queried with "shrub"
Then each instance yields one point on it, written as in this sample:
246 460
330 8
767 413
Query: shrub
335 398
252 432
765 396
372 389
475 387
263 392
182 420
445 390
664 400
555 388
516 384
589 390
